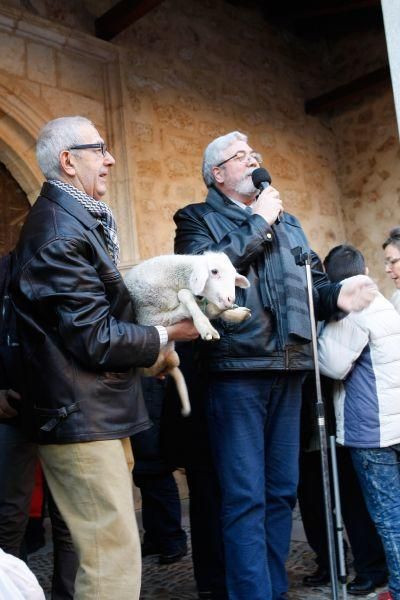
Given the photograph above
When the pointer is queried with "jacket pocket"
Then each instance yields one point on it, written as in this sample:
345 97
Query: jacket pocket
116 380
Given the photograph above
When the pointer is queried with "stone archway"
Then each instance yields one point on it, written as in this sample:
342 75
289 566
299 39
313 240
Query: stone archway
58 72
14 207
21 117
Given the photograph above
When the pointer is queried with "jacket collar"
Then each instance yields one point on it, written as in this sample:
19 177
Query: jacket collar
69 204
221 203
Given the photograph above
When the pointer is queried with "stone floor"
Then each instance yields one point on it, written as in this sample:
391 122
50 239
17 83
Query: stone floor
175 582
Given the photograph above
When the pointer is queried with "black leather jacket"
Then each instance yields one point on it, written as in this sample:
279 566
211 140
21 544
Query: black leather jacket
252 345
75 317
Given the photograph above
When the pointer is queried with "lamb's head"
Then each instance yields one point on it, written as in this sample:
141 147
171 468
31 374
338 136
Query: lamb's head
214 277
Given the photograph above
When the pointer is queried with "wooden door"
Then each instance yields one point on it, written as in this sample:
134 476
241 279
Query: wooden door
14 207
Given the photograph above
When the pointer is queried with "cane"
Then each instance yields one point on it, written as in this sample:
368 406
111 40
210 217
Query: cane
304 259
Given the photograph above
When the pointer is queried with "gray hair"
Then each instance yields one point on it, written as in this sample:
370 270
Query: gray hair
58 135
214 153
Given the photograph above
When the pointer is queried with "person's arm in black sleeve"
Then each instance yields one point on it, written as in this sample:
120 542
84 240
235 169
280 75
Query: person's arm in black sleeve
327 292
242 244
67 291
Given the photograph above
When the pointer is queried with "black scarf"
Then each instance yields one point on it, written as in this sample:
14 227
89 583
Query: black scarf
288 292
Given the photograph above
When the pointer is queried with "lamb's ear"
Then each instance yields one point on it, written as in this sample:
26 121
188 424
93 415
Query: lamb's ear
241 281
198 278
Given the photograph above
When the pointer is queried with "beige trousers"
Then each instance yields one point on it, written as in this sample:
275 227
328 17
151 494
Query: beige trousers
92 486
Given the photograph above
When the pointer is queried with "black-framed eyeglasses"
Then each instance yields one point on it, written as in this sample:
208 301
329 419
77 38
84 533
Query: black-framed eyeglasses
242 157
389 262
99 146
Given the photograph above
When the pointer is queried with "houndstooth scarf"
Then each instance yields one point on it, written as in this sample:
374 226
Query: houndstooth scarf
99 211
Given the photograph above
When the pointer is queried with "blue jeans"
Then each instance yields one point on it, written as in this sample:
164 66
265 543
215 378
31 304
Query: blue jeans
254 435
365 542
378 470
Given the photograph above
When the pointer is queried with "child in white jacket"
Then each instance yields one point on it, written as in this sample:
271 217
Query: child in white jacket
362 351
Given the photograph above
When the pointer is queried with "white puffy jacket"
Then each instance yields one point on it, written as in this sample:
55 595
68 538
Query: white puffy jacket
363 351
395 300
17 582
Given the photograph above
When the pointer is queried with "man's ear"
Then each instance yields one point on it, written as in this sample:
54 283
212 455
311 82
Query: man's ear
366 272
198 278
67 163
218 174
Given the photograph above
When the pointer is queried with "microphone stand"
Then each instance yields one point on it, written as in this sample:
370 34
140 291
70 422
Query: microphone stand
338 517
304 259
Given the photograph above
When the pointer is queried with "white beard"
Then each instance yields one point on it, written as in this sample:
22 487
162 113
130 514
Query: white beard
245 186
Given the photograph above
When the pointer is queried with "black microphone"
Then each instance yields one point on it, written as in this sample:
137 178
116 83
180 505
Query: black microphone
261 178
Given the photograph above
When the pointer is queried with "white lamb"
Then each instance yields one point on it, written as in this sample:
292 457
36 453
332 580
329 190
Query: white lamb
169 288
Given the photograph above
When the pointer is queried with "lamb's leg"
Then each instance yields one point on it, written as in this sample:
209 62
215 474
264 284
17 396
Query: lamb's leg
236 314
201 322
181 386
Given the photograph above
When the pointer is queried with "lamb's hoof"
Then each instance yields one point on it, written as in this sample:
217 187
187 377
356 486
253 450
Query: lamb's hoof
238 314
244 312
211 335
185 411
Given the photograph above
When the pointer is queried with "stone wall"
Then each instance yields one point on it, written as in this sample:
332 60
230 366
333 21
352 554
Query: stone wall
42 75
76 14
368 152
194 71
369 176
191 71
47 71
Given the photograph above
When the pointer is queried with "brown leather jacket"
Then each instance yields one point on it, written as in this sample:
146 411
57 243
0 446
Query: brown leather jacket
76 324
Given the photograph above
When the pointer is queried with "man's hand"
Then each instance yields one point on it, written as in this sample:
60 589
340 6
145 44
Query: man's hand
184 331
356 293
268 205
6 410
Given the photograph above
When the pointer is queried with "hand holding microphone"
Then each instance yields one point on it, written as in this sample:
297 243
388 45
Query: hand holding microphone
268 204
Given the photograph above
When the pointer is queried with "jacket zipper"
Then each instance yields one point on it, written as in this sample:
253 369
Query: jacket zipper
111 277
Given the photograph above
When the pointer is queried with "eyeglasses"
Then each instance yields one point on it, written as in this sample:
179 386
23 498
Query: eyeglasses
99 146
243 157
389 262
